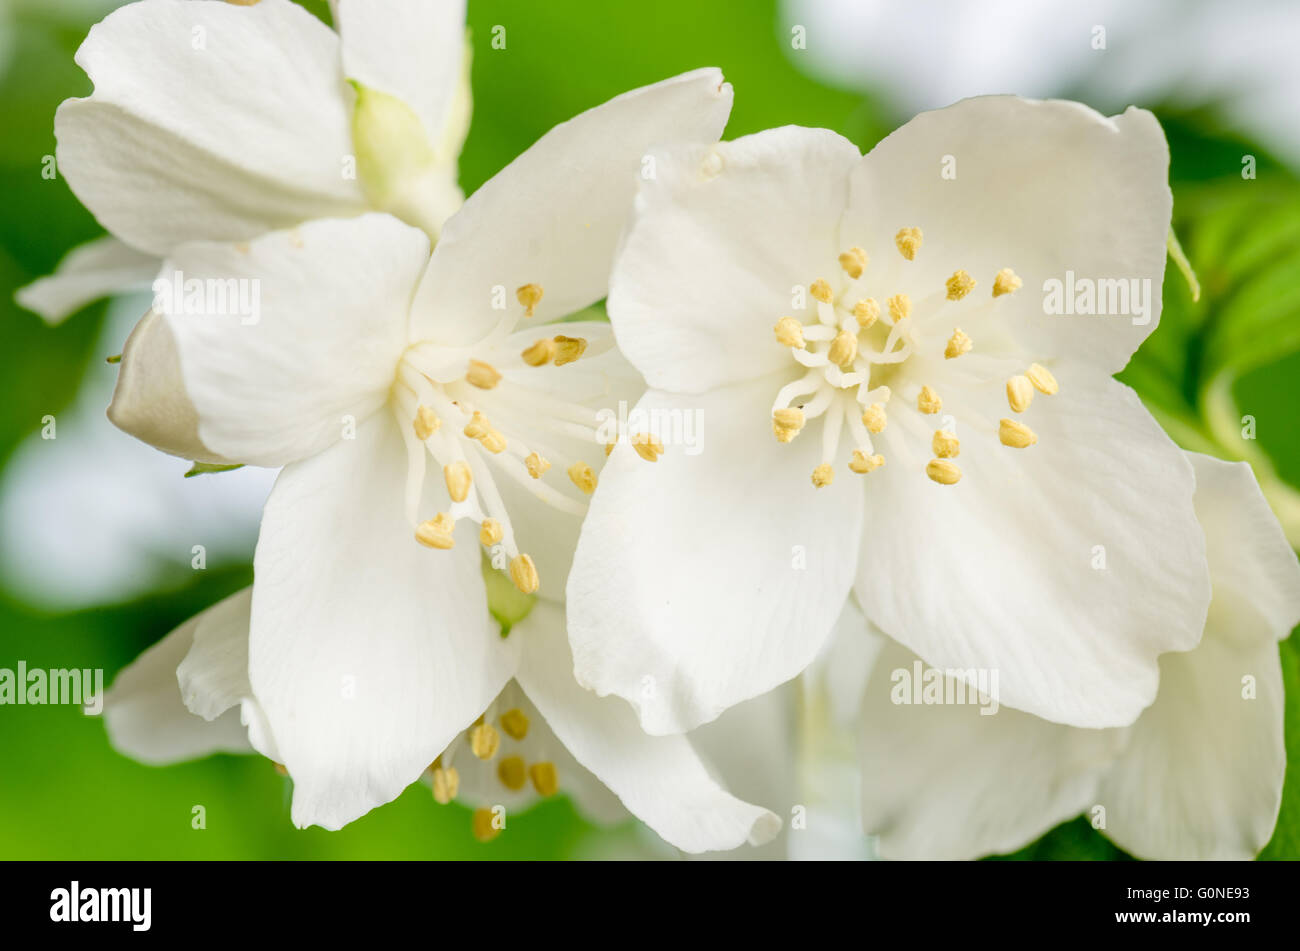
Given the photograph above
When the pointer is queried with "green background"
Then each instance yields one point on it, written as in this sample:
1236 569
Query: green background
64 793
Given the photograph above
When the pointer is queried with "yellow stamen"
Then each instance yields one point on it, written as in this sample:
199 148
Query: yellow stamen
786 424
483 375
844 349
437 532
458 479
900 307
609 447
530 295
540 353
515 722
493 442
544 778
648 446
426 423
958 344
568 349
945 445
959 285
823 475
484 825
943 471
1042 379
478 426
821 291
789 333
446 783
536 465
1006 282
484 740
1016 435
854 262
524 574
867 312
908 241
862 463
1020 392
927 401
874 418
512 774
583 477
490 532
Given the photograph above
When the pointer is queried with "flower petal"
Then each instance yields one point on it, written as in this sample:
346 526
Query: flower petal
368 652
286 339
702 580
98 268
1068 566
1039 187
552 217
214 674
660 779
722 239
209 121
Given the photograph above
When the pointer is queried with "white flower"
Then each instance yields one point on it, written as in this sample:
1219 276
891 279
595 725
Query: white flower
216 121
1198 776
409 414
916 429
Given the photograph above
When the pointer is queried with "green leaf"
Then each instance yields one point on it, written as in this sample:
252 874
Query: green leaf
204 468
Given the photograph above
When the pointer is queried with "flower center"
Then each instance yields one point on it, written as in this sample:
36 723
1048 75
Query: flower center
869 364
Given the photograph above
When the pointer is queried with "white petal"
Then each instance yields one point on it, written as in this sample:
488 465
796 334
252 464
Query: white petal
702 580
214 674
209 121
96 269
1068 566
146 718
369 652
947 781
659 779
1039 187
552 217
723 237
315 338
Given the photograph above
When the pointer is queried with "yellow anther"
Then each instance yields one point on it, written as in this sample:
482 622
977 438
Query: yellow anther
437 532
490 532
1006 282
483 375
540 353
281 770
1020 392
945 445
609 447
515 722
908 241
583 477
446 784
484 825
786 424
959 285
823 475
530 295
958 344
484 740
867 312
900 307
512 774
478 426
426 423
854 262
536 465
1016 435
648 446
874 418
493 442
821 291
1042 380
927 401
943 471
568 349
544 778
844 349
524 573
862 463
458 479
789 333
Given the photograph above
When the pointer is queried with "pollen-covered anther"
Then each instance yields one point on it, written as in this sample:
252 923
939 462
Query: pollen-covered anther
1020 393
786 424
821 291
1042 380
545 780
483 825
908 241
609 447
866 312
438 532
648 446
446 784
490 533
426 423
862 463
524 573
484 740
959 285
854 262
823 475
483 375
458 478
1016 435
569 349
928 402
844 349
943 471
530 295
900 307
512 773
536 465
874 418
1006 282
540 353
515 723
945 445
789 333
583 476
958 344
479 428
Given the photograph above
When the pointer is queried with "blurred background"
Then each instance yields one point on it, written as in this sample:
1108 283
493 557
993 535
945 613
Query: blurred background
95 559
